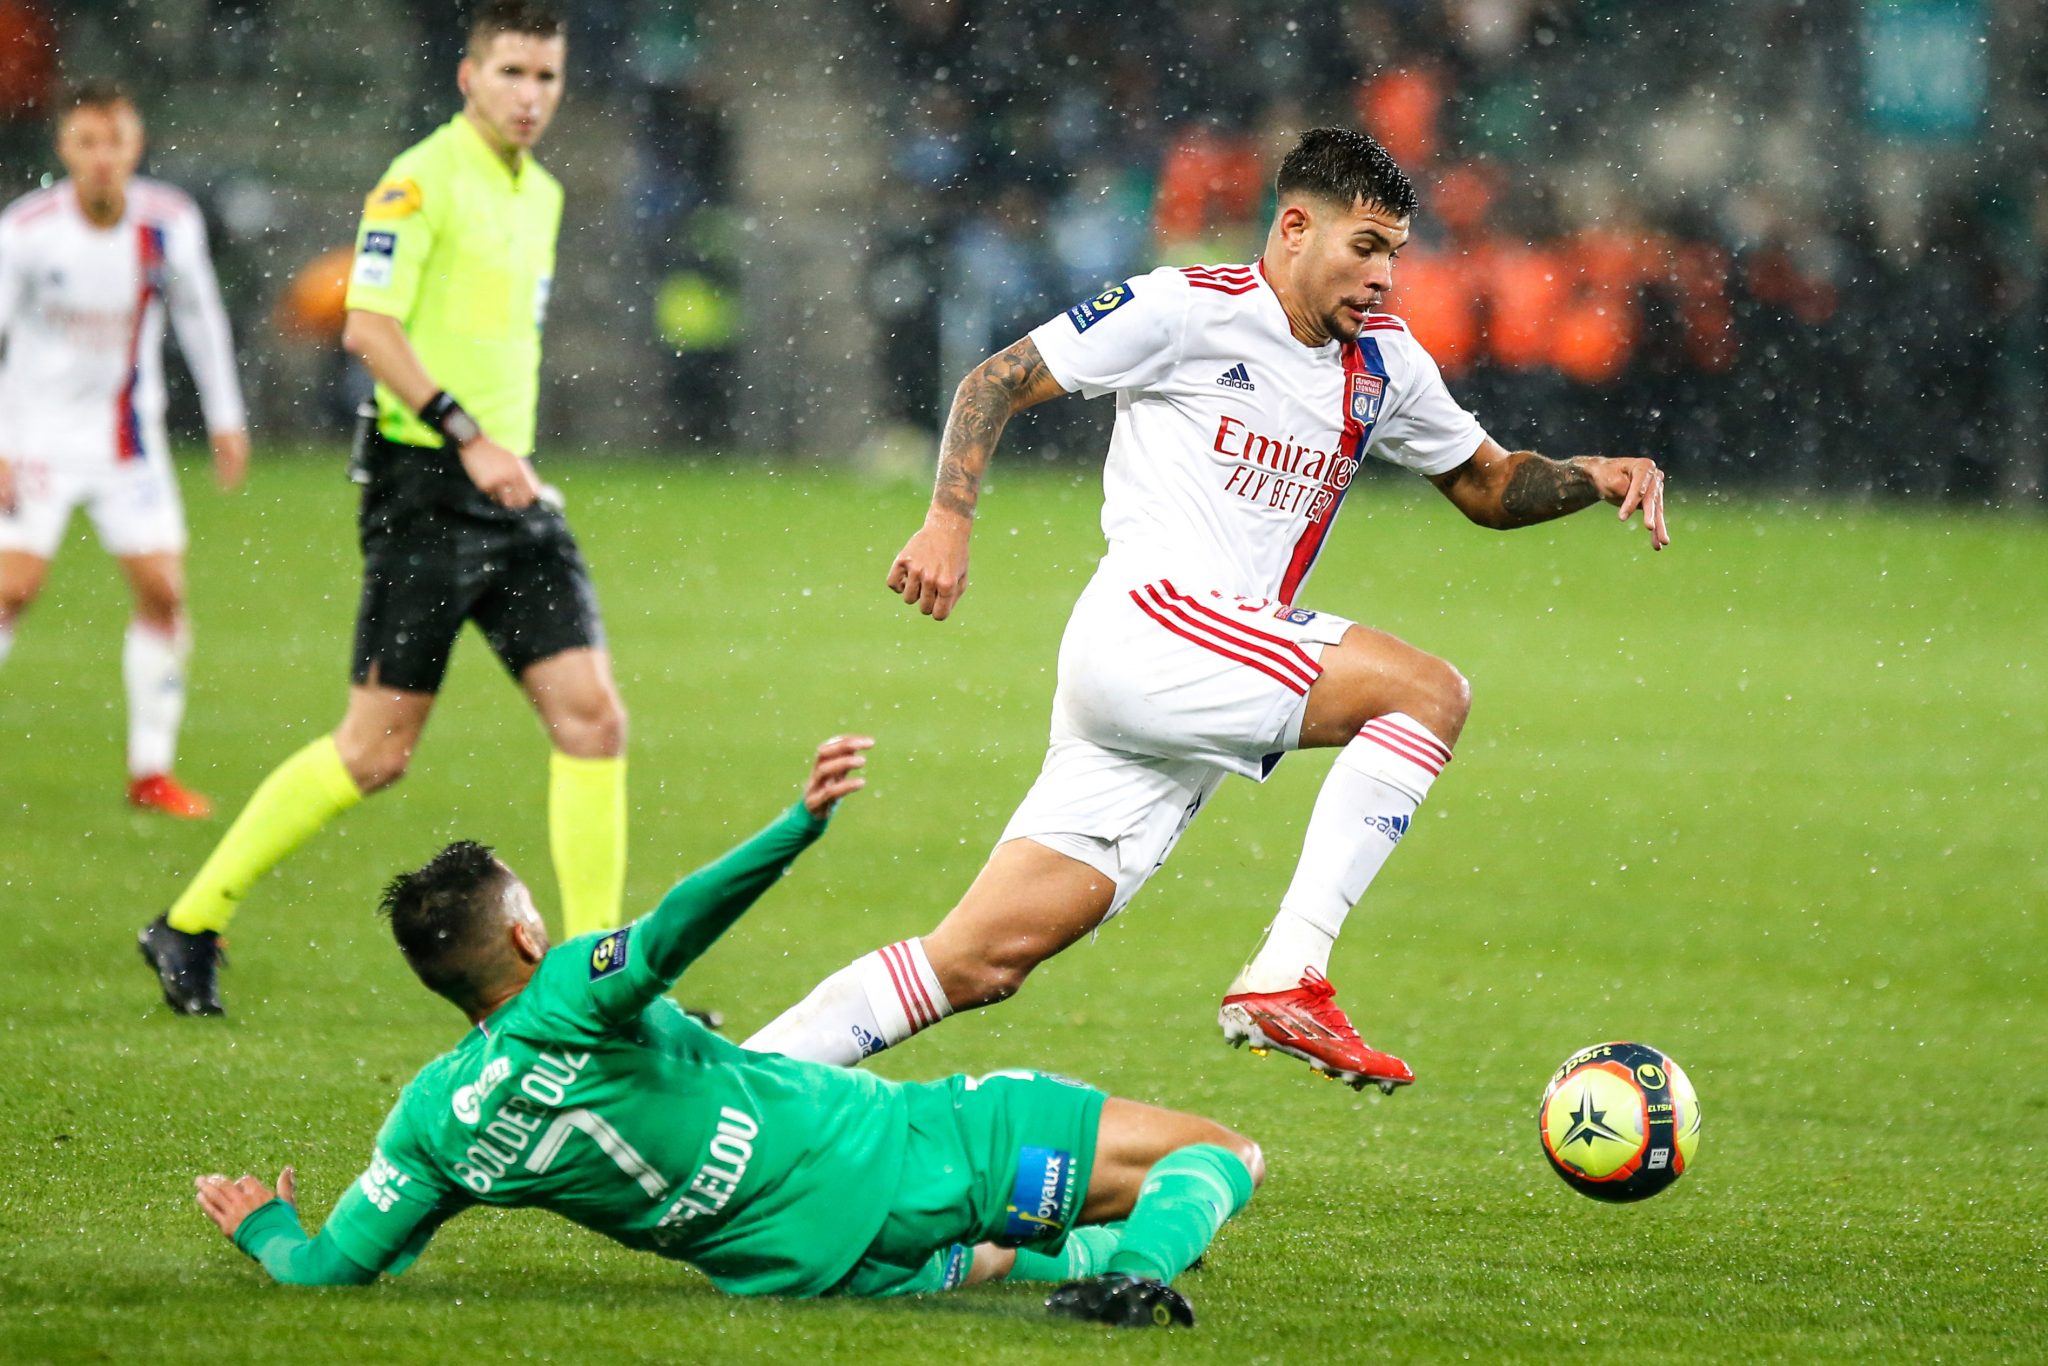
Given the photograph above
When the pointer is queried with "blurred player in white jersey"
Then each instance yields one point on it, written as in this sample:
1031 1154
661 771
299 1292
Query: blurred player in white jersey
1246 397
88 268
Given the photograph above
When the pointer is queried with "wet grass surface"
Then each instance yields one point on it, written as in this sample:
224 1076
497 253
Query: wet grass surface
1772 800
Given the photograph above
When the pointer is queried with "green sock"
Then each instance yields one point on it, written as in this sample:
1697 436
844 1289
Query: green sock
1086 1253
1186 1197
302 794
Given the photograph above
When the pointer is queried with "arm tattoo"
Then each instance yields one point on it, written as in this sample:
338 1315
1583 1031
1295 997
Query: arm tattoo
981 409
1541 489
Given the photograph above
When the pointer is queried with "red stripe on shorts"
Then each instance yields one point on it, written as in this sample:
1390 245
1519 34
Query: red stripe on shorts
1289 656
1230 648
1242 626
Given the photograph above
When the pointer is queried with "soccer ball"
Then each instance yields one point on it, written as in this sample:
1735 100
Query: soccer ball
1619 1121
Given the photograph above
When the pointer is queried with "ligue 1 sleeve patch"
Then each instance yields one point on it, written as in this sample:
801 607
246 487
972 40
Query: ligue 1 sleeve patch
374 259
1086 315
393 199
1038 1199
608 954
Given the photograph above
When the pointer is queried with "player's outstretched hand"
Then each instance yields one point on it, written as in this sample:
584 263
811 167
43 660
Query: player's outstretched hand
228 1203
1634 482
931 573
503 476
6 487
230 458
835 773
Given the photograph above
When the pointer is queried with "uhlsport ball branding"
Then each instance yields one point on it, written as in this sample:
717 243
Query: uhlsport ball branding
1619 1121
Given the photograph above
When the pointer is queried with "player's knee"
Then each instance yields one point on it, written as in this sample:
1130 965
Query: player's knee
1244 1150
594 727
1443 699
981 980
375 766
1454 692
1253 1157
160 611
15 598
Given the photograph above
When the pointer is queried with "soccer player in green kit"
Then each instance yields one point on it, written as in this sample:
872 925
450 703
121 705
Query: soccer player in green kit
584 1090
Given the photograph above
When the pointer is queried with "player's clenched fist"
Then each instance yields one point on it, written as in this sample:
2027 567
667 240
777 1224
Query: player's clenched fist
931 573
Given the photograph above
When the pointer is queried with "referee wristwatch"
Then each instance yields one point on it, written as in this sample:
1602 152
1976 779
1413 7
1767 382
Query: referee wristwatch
450 419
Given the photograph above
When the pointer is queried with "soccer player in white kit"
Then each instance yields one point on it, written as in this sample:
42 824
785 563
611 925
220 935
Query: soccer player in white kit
88 268
1246 398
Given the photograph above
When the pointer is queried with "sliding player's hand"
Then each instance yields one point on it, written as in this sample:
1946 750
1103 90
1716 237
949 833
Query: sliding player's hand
230 458
228 1203
835 773
931 573
503 476
6 487
1633 482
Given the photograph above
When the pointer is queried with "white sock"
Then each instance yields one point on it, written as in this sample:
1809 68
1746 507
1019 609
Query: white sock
153 667
1364 808
6 642
875 1002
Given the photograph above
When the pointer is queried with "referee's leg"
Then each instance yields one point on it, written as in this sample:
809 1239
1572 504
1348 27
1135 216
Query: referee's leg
579 704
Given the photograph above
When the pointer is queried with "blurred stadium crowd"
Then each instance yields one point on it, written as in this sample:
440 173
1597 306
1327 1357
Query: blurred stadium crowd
1799 241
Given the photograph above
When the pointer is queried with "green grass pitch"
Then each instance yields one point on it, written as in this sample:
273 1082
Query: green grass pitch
1772 800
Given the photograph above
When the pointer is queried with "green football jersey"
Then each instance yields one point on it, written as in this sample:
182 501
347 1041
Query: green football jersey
592 1095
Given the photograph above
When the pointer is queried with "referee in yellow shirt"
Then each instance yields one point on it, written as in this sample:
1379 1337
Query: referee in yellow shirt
454 260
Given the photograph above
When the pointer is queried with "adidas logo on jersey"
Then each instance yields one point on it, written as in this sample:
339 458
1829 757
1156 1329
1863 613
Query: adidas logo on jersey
1237 377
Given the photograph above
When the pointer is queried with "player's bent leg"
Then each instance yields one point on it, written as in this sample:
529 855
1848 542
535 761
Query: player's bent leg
154 652
1396 711
1370 673
1174 1179
1132 1137
578 702
21 579
1028 903
379 733
309 789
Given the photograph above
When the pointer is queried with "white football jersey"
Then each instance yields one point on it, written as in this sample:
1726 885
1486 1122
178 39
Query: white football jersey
1234 443
82 309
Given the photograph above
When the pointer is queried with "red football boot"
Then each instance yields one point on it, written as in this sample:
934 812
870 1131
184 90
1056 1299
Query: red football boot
162 792
1305 1022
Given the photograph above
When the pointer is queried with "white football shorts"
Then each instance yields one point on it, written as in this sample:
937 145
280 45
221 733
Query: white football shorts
1162 693
133 505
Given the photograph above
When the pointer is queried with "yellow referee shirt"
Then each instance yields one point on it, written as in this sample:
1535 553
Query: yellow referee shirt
460 249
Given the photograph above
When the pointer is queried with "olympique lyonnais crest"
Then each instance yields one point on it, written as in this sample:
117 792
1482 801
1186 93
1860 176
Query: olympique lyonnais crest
1366 393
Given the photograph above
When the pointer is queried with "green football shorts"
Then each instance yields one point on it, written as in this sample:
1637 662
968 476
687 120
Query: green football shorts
1003 1158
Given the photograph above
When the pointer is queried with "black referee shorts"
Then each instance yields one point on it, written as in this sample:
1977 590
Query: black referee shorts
437 553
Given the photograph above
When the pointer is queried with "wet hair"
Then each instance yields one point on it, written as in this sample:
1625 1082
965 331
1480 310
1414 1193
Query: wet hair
448 917
93 94
525 17
1346 166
